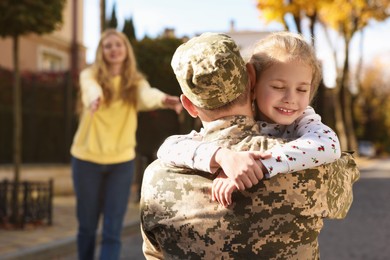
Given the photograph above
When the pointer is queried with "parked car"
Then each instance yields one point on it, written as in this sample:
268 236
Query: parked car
367 148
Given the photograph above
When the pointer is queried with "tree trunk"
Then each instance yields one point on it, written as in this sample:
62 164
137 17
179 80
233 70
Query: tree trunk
339 122
337 100
347 101
347 104
298 22
70 83
354 143
17 147
313 19
290 27
102 15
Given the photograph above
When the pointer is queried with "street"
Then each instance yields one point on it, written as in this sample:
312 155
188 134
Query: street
363 234
131 247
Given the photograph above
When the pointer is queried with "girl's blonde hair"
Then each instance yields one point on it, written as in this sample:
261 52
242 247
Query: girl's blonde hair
130 75
282 47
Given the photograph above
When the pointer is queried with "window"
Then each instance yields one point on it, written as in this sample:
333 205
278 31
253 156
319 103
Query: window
50 59
51 62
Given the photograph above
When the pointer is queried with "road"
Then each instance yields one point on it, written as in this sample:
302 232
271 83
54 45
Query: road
131 247
363 234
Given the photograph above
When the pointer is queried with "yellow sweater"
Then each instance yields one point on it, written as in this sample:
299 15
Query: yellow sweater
108 135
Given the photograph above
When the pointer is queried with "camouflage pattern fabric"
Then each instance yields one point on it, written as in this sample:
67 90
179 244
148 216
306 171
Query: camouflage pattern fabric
210 70
340 195
280 218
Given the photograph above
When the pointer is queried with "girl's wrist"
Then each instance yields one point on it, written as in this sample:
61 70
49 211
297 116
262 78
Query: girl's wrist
218 155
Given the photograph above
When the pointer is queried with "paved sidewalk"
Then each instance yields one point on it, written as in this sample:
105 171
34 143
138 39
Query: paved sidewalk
52 242
59 239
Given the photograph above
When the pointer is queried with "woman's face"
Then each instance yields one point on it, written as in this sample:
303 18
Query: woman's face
114 50
283 92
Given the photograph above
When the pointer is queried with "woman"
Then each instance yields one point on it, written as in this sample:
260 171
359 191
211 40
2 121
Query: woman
103 149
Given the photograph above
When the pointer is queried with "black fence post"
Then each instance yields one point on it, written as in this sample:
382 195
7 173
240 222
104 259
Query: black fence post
25 203
50 202
3 200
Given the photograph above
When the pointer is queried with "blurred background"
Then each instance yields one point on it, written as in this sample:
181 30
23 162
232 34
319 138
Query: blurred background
45 44
352 45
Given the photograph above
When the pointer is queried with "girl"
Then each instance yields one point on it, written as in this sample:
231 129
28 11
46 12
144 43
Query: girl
103 149
286 75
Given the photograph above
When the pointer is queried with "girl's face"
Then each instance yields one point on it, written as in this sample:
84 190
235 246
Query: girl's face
114 50
283 92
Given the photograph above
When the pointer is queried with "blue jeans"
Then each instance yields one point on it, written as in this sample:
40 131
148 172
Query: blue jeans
101 189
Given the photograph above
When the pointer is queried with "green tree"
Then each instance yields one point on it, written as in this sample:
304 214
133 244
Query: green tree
113 22
19 18
154 60
128 30
355 16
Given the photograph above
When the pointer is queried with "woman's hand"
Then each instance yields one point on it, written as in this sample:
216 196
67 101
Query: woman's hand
94 106
173 103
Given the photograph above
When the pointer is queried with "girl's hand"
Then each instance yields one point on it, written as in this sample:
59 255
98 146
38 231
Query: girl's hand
173 103
244 169
222 190
94 106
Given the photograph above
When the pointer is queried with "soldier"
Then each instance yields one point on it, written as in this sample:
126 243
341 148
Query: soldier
278 218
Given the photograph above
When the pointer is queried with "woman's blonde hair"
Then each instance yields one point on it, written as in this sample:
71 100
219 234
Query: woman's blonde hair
130 75
286 46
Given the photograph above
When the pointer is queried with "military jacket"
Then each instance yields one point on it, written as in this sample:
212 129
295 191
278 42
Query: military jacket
279 218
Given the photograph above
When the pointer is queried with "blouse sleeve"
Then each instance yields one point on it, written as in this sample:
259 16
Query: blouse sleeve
90 88
149 98
188 151
315 144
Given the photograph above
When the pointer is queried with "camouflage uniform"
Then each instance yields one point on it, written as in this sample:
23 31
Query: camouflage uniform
279 218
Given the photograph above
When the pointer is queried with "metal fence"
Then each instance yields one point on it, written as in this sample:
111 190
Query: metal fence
34 202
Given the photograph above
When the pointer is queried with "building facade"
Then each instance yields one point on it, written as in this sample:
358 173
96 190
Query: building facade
50 52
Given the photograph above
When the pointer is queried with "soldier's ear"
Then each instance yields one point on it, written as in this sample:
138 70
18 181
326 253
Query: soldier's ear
187 104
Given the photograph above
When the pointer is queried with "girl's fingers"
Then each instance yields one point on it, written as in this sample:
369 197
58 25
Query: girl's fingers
215 189
241 184
252 175
223 200
260 155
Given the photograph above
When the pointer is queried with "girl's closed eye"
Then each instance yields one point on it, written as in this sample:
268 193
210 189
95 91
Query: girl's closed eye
275 86
303 88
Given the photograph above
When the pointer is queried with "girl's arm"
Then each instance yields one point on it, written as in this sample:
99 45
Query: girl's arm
315 144
188 151
243 168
